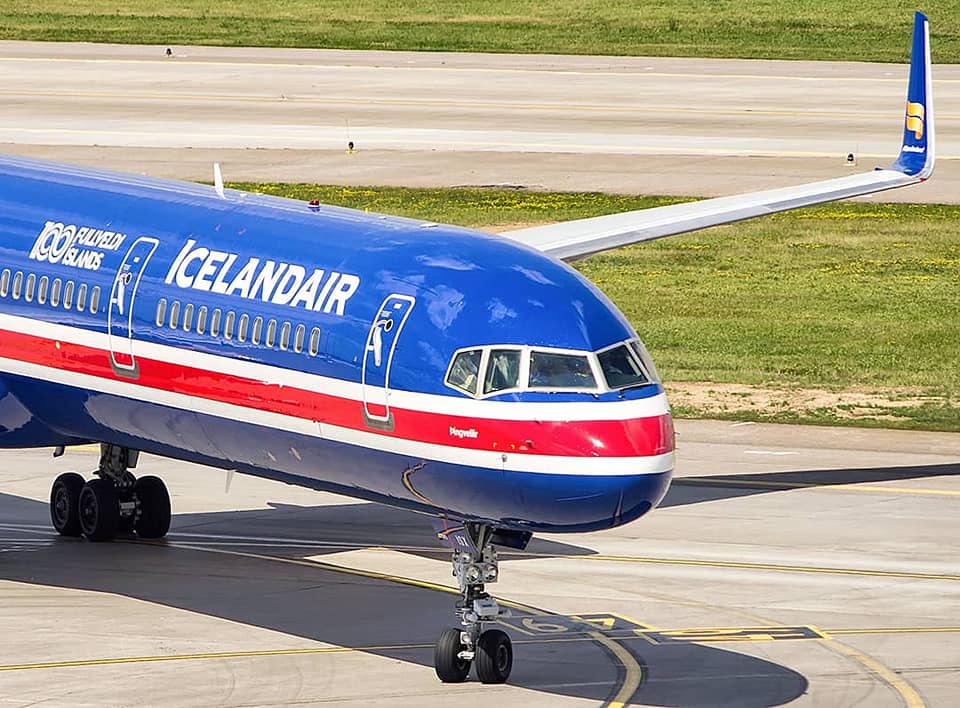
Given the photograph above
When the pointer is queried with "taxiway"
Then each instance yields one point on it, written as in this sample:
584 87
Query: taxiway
786 564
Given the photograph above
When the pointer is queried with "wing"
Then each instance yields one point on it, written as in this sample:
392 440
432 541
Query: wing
574 239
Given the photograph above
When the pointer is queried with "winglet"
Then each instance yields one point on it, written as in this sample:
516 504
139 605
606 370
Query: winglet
218 180
917 152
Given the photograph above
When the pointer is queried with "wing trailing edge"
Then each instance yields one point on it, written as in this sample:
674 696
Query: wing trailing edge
582 237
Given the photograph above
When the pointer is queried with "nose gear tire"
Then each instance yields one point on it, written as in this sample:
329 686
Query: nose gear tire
494 658
446 660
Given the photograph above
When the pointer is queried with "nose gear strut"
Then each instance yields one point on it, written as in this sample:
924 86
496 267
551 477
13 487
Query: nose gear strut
475 565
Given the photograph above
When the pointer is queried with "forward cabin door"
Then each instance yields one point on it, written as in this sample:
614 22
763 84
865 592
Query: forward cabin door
378 358
120 314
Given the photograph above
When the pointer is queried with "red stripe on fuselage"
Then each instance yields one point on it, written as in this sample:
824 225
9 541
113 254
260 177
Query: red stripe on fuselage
637 437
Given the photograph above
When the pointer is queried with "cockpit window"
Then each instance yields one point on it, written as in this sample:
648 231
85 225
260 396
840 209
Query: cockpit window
503 370
492 369
560 371
621 367
464 371
645 359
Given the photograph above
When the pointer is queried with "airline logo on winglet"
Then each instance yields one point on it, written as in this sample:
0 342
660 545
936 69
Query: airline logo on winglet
915 119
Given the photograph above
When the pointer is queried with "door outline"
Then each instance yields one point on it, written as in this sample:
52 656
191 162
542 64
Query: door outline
123 294
384 332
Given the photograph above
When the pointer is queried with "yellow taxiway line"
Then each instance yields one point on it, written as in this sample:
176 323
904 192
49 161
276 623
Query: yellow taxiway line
772 567
908 693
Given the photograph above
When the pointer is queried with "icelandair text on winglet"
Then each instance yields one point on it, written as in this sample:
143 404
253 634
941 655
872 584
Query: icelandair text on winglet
199 268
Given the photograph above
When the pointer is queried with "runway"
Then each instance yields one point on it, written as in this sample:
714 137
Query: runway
636 125
786 564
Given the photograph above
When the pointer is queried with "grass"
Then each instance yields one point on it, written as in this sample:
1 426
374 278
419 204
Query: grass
843 296
864 31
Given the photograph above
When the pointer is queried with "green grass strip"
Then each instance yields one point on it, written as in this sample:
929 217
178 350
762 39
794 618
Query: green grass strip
763 29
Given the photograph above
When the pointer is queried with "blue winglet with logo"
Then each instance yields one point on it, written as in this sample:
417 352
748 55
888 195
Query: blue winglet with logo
917 153
914 164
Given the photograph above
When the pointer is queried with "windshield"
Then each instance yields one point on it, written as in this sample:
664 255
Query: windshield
560 371
503 370
621 367
464 369
492 370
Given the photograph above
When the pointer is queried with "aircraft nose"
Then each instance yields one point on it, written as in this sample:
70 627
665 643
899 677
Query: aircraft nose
639 494
628 438
618 470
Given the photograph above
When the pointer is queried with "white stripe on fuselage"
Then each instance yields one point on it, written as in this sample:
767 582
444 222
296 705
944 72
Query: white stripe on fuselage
423 402
416 451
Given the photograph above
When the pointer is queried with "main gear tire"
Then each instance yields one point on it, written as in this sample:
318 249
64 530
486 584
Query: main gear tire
99 510
154 503
65 504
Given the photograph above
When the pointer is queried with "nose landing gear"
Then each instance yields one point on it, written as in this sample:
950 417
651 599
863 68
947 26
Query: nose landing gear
489 651
114 502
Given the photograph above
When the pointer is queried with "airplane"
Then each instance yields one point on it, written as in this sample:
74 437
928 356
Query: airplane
475 378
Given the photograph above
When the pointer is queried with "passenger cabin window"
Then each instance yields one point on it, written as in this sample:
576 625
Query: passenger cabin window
560 371
242 327
174 314
464 371
187 316
68 294
161 311
285 336
298 338
55 289
31 284
94 299
314 341
503 370
215 322
42 288
621 367
271 333
81 297
257 330
4 282
202 319
228 324
17 285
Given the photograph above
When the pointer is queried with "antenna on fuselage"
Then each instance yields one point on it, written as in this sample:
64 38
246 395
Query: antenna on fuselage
218 180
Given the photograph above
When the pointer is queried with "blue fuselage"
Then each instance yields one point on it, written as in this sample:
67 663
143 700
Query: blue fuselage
314 346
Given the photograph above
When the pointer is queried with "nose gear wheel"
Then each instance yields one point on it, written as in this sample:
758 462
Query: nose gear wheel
490 651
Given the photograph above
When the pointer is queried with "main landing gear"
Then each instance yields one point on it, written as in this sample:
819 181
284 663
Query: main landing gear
114 502
490 651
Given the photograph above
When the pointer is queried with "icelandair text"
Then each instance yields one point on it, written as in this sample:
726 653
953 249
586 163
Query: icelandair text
290 284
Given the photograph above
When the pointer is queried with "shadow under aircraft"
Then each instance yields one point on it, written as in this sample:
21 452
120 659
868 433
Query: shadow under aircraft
693 490
371 614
